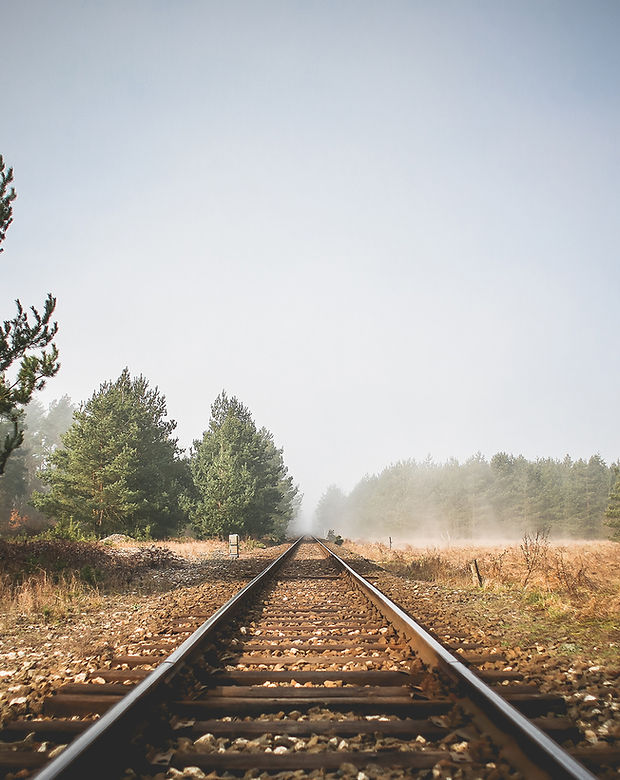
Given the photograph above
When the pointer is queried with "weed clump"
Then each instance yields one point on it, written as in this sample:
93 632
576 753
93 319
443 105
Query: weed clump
429 567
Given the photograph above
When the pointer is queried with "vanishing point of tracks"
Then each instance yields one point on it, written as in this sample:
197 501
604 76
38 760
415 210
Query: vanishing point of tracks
308 671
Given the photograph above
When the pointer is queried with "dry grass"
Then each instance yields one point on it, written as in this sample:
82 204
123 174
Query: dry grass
53 597
194 550
578 577
54 579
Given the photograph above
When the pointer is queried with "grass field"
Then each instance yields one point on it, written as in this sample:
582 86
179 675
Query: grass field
542 590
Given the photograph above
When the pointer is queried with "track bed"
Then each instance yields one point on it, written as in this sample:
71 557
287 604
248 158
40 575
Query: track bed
308 672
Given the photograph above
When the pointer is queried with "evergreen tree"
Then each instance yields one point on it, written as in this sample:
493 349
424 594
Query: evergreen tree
241 483
597 490
7 196
476 478
506 497
118 469
13 486
25 361
589 491
613 508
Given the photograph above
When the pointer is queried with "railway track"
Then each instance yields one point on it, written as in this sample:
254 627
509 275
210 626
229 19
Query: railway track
308 670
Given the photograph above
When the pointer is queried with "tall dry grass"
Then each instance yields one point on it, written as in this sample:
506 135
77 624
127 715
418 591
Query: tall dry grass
41 594
581 577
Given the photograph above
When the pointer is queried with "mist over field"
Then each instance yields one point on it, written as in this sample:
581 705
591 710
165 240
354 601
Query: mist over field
491 501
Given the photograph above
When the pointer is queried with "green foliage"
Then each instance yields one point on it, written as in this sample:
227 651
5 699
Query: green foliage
23 343
254 544
612 512
25 360
241 484
7 196
118 470
68 528
503 498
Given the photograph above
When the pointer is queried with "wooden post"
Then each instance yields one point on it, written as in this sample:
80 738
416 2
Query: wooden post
475 573
390 538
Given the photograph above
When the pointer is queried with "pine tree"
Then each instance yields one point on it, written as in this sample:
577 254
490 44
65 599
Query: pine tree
597 492
118 469
25 361
7 196
241 483
13 485
613 508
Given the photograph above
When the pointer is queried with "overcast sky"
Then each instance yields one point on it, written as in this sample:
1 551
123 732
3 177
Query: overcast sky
390 228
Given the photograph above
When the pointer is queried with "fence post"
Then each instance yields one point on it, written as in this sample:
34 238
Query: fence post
475 573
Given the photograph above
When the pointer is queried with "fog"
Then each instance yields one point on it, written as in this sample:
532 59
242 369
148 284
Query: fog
498 499
390 229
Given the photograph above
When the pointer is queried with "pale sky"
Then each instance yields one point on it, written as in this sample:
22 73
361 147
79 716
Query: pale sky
390 228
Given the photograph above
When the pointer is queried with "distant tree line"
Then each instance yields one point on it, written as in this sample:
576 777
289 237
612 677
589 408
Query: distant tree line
501 498
114 466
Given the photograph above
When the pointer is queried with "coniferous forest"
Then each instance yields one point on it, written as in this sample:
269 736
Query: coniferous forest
500 498
114 466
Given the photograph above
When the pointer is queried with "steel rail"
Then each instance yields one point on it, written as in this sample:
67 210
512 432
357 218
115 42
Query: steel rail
538 746
77 760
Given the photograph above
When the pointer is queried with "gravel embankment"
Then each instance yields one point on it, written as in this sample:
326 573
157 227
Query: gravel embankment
38 656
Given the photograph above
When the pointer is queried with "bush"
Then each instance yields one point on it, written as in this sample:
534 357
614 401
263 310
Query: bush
68 529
